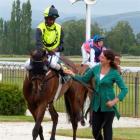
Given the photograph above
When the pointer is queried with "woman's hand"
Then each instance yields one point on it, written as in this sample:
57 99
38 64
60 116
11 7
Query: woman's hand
70 72
111 103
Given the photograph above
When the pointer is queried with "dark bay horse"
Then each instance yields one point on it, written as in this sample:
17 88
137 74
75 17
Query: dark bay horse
75 98
39 89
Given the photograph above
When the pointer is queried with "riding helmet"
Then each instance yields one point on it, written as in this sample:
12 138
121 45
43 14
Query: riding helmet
51 11
97 38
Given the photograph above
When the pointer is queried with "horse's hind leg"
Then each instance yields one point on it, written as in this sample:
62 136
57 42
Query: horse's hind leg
74 120
54 117
82 119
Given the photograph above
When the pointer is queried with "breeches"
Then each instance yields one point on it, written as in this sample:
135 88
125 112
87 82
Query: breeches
53 60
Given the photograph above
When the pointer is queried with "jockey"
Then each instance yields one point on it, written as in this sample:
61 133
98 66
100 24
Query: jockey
49 37
92 49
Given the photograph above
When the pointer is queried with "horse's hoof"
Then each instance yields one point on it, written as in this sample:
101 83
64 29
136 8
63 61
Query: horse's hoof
83 122
52 138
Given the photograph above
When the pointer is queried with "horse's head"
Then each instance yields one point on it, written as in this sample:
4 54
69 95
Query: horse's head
37 55
117 60
38 62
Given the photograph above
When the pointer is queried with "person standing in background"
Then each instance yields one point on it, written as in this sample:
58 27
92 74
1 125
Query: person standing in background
91 50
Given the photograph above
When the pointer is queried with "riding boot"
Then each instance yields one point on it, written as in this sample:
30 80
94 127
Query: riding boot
46 66
59 68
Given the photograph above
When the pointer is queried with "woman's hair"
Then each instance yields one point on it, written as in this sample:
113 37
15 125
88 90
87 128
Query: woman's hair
110 55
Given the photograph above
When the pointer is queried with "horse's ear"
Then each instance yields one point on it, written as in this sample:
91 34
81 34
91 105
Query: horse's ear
32 51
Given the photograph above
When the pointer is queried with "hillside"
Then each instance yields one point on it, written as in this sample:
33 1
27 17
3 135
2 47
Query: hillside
109 21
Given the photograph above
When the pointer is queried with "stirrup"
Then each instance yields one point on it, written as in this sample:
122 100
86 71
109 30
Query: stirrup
63 80
45 68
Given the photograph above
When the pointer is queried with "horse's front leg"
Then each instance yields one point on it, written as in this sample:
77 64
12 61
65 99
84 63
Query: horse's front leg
39 115
41 133
54 117
33 112
37 130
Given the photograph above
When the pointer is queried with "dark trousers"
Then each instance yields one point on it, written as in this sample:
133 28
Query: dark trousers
102 120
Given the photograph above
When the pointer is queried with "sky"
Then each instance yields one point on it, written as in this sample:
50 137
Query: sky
102 7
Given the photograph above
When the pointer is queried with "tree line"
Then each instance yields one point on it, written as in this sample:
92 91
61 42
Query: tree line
17 34
120 38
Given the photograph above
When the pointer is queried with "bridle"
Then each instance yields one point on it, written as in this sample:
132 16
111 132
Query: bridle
39 82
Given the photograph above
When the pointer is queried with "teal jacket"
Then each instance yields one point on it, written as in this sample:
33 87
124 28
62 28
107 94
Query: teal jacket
104 89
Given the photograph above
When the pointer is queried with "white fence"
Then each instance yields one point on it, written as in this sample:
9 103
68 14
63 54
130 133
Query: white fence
21 64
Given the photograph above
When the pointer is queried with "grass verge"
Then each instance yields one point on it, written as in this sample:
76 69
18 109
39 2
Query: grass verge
19 119
119 133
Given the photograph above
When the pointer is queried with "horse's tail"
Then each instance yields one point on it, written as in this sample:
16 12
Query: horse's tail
67 105
74 106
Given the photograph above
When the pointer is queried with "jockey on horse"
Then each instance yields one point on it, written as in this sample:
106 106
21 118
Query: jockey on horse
49 38
91 50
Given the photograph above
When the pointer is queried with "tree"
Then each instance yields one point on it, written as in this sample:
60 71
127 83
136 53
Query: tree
15 27
17 48
26 20
121 37
135 50
20 27
95 29
12 28
6 49
138 39
1 34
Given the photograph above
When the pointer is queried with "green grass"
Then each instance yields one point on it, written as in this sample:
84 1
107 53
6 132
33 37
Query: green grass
19 119
127 133
119 133
60 105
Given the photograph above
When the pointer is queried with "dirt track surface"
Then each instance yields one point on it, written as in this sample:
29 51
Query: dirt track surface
23 130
